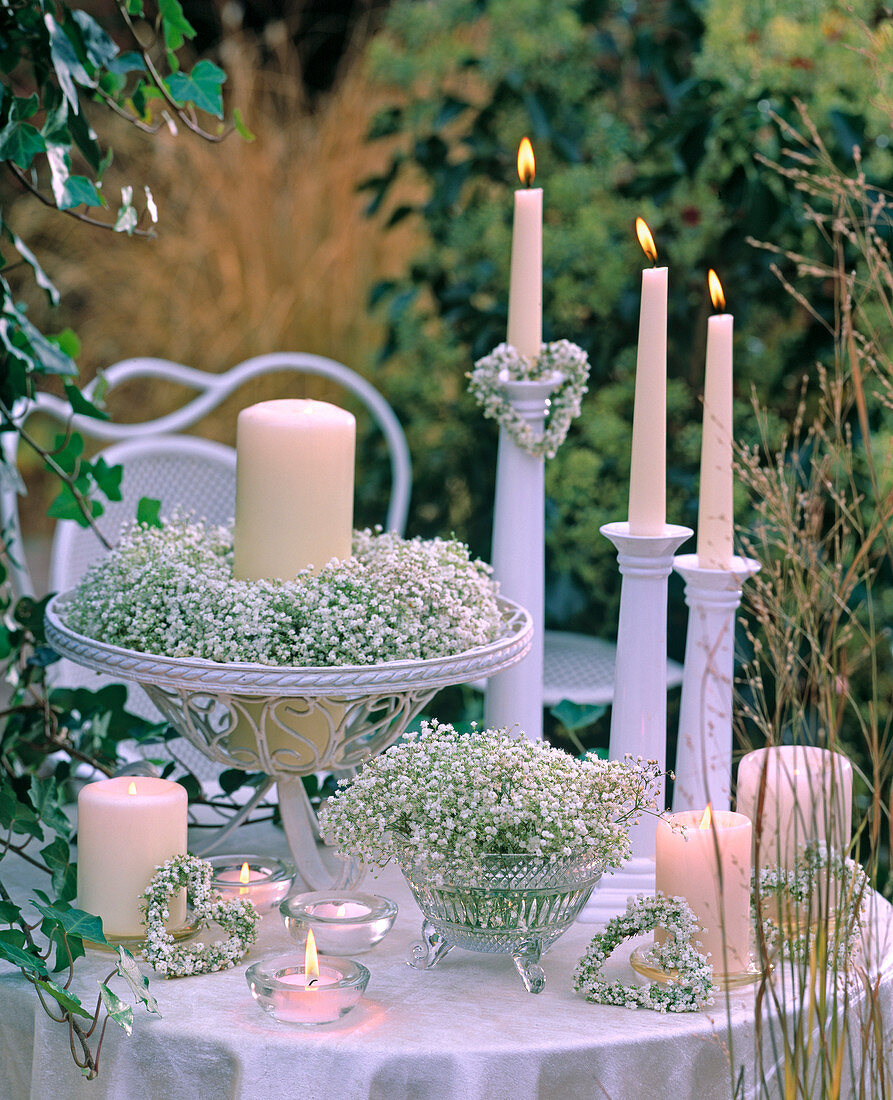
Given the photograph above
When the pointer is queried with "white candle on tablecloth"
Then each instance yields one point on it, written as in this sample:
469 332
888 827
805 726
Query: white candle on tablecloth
648 464
715 497
294 488
127 826
707 861
525 321
807 796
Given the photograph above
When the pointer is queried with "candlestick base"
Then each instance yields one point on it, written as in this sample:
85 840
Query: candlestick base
640 960
135 944
614 891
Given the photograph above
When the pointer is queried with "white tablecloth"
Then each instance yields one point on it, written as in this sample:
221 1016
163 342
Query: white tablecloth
466 1029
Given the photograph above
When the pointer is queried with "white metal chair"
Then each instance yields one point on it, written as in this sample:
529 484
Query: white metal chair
195 474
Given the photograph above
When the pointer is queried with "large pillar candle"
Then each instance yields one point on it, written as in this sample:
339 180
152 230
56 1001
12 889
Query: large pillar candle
795 794
705 858
715 498
648 465
525 323
127 826
294 488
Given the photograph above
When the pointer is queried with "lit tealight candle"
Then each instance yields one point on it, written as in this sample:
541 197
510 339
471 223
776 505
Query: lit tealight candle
342 924
706 860
525 321
252 877
648 464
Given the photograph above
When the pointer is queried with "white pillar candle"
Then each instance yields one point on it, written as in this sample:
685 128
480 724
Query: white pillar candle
294 488
525 323
706 859
648 465
127 826
715 499
807 795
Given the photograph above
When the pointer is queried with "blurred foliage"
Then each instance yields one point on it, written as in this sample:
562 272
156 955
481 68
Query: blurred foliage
632 109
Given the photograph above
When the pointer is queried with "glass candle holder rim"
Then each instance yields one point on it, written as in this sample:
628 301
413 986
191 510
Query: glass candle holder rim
274 868
300 907
269 972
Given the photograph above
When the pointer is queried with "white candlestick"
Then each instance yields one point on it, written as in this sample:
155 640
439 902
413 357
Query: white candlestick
127 826
294 488
715 499
807 797
648 466
710 867
525 320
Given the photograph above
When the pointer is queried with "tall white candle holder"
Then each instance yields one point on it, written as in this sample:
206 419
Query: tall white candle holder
515 697
704 749
639 711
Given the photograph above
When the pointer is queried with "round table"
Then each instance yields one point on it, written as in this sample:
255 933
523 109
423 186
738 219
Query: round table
466 1029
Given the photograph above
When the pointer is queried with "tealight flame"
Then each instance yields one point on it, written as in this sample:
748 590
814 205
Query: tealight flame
716 295
526 162
244 874
707 819
341 910
132 788
311 960
646 240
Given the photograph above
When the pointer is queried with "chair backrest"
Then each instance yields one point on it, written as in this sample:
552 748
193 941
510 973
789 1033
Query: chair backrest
183 470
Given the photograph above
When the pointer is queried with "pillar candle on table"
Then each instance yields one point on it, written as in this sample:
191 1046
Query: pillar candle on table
294 488
525 321
648 465
715 497
807 795
706 859
127 826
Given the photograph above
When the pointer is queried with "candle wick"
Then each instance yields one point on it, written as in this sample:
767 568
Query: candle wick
312 981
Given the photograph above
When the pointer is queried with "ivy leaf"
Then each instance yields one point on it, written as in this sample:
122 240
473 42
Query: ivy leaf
74 922
148 511
20 142
66 63
16 817
126 63
241 126
575 716
46 798
12 952
118 1010
65 882
80 404
177 27
68 1001
108 478
40 276
56 855
136 979
9 913
201 87
100 49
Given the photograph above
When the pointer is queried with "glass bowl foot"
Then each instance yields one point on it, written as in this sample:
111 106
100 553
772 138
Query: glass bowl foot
527 961
429 950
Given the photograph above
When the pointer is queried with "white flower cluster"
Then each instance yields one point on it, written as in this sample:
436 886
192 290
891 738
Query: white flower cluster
452 798
692 985
795 892
170 590
505 364
238 918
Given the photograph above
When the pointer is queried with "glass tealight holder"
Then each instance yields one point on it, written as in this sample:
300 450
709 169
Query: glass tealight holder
284 988
342 923
264 880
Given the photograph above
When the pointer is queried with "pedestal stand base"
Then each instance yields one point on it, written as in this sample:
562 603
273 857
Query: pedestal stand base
611 895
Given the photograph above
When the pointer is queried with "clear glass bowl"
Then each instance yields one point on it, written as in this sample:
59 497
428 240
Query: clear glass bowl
281 987
271 879
343 923
516 905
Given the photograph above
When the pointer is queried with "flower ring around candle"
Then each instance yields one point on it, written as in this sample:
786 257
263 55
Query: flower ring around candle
320 991
342 923
263 880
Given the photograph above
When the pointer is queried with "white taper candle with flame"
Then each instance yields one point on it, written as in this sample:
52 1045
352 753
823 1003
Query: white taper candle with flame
525 321
715 498
127 826
704 857
294 488
648 465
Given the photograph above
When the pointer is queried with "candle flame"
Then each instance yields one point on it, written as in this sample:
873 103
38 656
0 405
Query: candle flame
646 240
244 874
707 819
341 910
311 960
132 788
526 162
716 293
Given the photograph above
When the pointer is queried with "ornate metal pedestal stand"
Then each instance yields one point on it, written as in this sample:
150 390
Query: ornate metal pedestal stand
291 722
704 750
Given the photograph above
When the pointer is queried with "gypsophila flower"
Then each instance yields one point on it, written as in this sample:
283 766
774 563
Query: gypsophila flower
563 359
453 798
171 591
237 917
687 991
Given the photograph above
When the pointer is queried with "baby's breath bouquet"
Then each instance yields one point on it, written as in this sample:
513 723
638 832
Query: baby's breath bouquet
453 798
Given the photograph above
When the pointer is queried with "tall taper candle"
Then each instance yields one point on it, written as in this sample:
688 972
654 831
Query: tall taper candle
648 466
525 324
715 510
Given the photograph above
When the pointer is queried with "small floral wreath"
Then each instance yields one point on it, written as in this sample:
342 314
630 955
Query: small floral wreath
238 918
687 992
795 889
486 384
